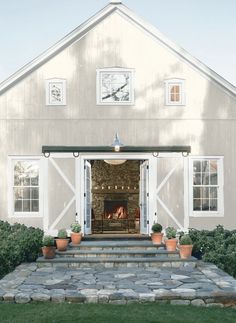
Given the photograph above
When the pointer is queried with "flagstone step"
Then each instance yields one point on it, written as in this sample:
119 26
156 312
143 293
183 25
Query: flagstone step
112 262
120 244
121 253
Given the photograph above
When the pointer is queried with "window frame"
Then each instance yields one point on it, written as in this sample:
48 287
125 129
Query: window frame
220 185
11 211
171 82
47 85
100 71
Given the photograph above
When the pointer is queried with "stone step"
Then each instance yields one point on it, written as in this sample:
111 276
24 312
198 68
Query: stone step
112 262
121 253
117 245
117 237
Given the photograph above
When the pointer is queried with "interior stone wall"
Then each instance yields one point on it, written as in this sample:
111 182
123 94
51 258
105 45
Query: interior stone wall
115 182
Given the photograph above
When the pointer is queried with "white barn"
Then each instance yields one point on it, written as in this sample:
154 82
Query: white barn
175 117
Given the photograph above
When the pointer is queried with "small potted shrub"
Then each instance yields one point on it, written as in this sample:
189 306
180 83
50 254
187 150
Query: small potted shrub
171 241
157 235
185 246
76 235
48 248
62 240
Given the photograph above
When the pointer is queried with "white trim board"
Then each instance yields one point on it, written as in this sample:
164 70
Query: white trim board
84 28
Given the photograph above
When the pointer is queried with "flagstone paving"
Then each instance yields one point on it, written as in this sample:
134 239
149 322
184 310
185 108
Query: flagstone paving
204 285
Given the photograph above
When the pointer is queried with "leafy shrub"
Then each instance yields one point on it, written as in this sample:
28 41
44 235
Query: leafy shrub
217 246
62 234
18 243
75 227
171 233
156 227
185 240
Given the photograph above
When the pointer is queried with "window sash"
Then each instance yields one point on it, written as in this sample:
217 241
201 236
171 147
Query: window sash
174 92
212 202
25 195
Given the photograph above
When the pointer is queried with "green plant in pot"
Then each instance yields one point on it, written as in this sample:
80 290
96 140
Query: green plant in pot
157 235
185 246
76 235
62 240
171 241
48 248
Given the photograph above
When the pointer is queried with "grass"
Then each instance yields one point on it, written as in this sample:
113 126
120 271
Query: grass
59 313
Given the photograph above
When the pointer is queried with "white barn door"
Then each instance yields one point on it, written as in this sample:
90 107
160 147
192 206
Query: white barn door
143 196
87 197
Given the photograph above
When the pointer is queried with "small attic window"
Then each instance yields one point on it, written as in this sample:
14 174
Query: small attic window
55 92
115 86
174 92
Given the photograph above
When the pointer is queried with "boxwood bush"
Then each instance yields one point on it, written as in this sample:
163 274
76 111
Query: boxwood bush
18 243
217 246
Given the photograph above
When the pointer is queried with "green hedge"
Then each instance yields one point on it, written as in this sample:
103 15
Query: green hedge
217 246
18 243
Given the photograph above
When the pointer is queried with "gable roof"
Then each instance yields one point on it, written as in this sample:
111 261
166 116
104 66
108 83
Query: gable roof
80 31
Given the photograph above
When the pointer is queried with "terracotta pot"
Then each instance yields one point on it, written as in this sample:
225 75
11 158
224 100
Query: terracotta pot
185 251
76 237
157 237
62 244
48 252
171 244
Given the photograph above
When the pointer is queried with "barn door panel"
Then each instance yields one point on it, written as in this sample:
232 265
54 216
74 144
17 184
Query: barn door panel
61 193
170 192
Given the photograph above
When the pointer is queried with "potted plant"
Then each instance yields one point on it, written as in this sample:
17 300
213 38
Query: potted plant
185 246
62 240
48 248
157 235
76 235
171 241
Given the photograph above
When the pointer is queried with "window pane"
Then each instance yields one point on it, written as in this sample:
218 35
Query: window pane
115 86
213 192
213 204
18 206
18 193
197 166
197 205
205 205
26 193
35 193
205 178
197 179
26 205
35 181
34 205
213 178
196 192
205 192
213 166
205 166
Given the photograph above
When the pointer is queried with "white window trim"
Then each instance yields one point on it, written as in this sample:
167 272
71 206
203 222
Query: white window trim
175 81
207 214
47 83
113 70
11 213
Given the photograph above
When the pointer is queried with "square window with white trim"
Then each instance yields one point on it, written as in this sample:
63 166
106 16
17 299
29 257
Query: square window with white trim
206 186
56 92
115 86
25 187
175 94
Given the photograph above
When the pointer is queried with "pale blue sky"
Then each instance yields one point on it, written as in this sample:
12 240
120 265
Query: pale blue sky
205 28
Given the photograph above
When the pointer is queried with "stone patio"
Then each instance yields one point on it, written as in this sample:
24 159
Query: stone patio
204 285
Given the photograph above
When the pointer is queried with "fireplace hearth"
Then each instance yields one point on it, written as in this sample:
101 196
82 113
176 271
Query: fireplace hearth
115 209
